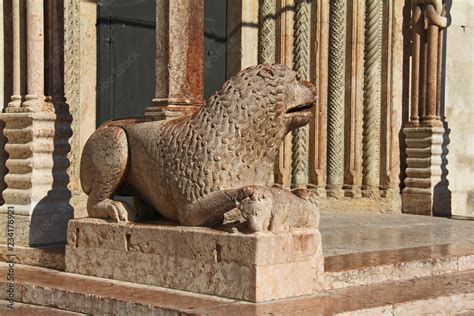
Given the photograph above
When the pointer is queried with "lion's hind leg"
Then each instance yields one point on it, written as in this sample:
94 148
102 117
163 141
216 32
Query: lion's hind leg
104 165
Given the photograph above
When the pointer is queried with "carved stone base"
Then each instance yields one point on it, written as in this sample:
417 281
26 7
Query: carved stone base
426 187
255 267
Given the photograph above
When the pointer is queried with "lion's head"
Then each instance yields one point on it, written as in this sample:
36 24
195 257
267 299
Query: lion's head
267 97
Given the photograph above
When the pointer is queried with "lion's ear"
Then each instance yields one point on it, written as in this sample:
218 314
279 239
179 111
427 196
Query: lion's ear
265 72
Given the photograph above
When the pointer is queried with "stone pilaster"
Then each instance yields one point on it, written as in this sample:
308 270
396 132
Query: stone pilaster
37 135
179 68
336 93
318 127
354 99
372 96
301 61
242 35
284 55
426 188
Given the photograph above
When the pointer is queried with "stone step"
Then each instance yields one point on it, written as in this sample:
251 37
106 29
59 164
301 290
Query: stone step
28 309
366 268
448 293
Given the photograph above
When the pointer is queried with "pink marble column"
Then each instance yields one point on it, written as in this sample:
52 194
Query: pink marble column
179 67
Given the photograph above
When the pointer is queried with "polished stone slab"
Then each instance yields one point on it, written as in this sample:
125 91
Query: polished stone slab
357 232
449 294
257 267
369 268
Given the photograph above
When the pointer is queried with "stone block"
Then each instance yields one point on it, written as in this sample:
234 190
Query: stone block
255 267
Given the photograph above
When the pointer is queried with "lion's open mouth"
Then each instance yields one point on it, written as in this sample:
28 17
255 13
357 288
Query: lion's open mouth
300 108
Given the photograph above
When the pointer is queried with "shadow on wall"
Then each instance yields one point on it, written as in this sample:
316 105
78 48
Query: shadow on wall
52 213
442 194
406 30
442 199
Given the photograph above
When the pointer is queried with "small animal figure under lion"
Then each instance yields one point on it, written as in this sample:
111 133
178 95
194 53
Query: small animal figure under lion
195 168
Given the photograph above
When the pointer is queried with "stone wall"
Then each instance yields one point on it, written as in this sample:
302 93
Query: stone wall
459 106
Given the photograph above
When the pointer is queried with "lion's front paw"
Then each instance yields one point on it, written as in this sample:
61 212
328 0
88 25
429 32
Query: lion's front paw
118 211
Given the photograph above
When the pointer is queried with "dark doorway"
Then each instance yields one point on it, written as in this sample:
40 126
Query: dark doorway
126 55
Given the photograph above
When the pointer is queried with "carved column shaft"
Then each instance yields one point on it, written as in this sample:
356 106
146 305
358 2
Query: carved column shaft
179 68
417 26
35 52
372 94
301 61
431 114
16 97
337 62
427 21
267 40
266 32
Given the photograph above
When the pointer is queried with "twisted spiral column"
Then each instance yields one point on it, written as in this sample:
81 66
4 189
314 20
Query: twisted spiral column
372 94
336 87
301 61
266 32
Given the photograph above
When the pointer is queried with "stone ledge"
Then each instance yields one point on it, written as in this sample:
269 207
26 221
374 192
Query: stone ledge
48 257
368 268
255 267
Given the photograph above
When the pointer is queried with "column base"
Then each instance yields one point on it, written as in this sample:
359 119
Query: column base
163 109
426 187
334 191
255 267
437 204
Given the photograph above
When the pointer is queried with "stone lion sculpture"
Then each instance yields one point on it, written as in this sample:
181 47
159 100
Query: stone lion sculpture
193 169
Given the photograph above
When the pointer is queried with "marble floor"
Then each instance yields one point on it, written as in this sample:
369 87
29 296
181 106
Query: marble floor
346 232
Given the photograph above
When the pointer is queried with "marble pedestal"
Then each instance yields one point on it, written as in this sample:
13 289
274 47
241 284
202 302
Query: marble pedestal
255 267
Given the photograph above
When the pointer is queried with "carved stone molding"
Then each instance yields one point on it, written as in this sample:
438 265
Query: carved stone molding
336 94
266 32
372 94
301 61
